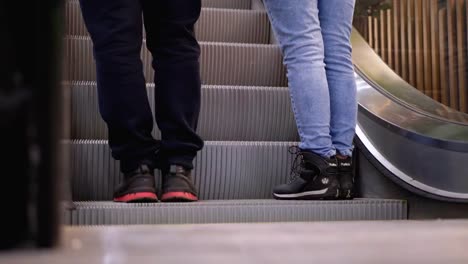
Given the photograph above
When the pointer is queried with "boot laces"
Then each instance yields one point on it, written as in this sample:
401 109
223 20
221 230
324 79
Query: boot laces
296 168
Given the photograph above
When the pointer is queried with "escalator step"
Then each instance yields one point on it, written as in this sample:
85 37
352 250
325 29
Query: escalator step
232 4
234 211
223 170
223 25
228 113
221 63
241 26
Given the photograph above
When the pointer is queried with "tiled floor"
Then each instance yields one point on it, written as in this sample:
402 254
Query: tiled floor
322 242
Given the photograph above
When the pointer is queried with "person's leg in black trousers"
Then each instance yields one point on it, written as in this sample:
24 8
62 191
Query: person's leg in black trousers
115 27
170 38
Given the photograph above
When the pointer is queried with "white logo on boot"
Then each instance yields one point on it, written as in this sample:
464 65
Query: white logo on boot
325 181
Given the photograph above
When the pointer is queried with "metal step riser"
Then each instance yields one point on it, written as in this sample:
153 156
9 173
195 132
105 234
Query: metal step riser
224 4
235 26
228 113
217 25
223 170
221 63
231 4
95 213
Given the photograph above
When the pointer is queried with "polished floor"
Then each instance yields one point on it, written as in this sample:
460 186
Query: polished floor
319 242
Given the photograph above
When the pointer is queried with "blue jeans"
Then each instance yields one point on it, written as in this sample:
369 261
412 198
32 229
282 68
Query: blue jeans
314 36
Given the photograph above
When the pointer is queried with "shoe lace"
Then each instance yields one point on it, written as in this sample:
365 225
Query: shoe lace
296 168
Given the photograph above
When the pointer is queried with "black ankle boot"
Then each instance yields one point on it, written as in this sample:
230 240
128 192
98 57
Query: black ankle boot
346 173
312 177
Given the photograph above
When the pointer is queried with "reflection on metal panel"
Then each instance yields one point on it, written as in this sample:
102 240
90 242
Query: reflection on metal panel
429 44
423 143
374 70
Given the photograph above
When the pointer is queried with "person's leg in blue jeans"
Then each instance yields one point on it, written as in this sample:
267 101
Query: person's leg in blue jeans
323 101
336 18
342 85
297 28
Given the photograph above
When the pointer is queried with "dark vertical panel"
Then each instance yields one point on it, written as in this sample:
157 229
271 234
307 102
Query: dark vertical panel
443 40
461 54
396 36
383 36
30 123
390 39
419 45
370 23
434 28
452 53
411 44
376 36
427 47
404 40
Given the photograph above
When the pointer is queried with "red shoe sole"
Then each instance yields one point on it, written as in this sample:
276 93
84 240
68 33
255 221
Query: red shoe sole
180 197
137 197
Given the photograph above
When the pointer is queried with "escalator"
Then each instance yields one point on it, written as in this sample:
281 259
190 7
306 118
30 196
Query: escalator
247 123
414 141
417 142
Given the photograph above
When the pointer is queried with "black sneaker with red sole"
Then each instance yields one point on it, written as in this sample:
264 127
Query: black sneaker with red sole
178 185
137 187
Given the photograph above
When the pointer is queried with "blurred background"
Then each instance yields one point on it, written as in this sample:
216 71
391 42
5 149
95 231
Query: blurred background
423 41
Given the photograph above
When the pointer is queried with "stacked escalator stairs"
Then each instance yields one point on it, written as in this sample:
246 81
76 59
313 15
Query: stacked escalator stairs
245 120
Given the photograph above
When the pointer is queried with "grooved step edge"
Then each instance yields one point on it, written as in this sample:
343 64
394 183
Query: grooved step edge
228 4
223 170
223 25
232 4
221 63
234 211
227 113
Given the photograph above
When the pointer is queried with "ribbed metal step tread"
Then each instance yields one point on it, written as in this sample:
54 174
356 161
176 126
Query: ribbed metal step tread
223 25
240 26
234 211
223 170
221 63
239 113
229 4
232 4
